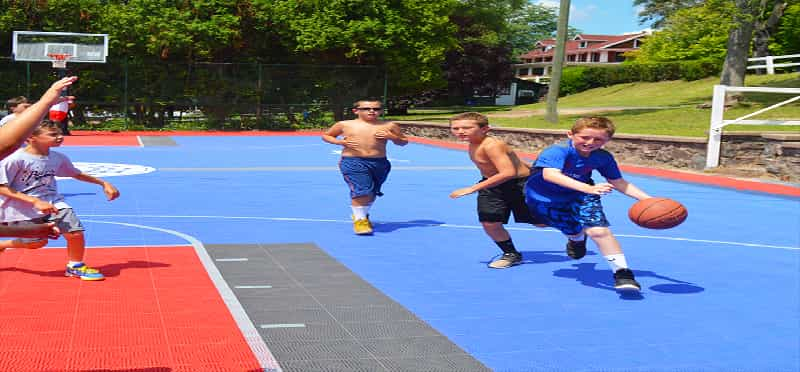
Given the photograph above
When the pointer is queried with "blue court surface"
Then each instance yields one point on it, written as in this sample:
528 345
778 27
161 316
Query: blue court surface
720 292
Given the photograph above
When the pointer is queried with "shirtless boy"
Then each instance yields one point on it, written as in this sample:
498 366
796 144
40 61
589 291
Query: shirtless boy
501 188
364 165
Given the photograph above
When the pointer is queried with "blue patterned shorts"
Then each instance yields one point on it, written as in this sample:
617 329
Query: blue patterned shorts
571 217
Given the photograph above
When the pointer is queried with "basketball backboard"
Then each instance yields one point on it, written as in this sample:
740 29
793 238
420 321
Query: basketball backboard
38 46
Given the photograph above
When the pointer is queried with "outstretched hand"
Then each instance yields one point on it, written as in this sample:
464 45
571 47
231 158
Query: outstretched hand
461 192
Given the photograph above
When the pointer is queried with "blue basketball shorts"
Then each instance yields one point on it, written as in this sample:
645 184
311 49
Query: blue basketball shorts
364 176
570 217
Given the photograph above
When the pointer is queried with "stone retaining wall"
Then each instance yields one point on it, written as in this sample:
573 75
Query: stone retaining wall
773 155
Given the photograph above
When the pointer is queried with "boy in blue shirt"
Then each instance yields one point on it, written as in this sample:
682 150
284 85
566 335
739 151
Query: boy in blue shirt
561 192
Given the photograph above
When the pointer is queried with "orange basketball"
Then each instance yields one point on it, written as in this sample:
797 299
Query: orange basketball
658 213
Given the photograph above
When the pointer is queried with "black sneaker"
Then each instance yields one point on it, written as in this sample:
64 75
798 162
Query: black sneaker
506 261
624 281
576 249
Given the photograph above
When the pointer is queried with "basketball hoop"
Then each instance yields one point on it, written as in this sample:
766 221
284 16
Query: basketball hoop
59 59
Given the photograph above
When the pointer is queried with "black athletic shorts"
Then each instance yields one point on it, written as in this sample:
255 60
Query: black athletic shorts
496 204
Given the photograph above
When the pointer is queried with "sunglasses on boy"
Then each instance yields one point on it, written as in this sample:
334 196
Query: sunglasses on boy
369 108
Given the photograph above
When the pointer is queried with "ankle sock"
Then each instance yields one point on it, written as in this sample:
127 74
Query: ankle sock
616 261
360 213
507 246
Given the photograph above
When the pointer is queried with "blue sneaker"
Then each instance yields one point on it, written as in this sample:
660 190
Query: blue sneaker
84 272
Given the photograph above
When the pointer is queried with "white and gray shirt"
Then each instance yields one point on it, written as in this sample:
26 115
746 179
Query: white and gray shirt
36 176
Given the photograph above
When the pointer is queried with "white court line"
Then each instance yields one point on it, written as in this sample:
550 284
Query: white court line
248 329
550 230
311 169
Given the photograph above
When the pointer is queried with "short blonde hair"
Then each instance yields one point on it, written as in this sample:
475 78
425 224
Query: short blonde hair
481 119
46 125
358 103
594 122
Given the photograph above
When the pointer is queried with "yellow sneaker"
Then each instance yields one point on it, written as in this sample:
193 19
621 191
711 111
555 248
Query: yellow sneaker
362 227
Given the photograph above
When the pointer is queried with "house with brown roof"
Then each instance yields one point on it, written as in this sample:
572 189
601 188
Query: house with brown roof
582 50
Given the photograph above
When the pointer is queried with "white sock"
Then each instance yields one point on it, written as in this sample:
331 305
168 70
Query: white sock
360 213
616 261
73 263
577 238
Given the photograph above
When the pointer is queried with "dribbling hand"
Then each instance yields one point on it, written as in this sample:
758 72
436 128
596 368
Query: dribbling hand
601 189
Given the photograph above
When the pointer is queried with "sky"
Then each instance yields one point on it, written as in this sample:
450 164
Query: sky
605 17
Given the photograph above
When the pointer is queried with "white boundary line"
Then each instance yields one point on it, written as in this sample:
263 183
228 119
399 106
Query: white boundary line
293 219
248 329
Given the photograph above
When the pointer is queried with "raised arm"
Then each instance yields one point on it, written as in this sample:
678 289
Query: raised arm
16 131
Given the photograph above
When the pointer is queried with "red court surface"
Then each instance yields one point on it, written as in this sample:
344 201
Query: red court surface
157 310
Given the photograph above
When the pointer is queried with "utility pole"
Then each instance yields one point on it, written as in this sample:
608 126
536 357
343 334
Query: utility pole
558 62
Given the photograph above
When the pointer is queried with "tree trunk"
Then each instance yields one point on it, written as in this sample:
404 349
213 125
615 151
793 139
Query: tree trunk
764 29
558 62
733 70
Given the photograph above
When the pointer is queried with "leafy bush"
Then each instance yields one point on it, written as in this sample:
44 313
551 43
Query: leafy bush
578 79
573 81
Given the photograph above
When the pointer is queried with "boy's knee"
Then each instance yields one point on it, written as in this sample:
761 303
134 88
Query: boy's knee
73 235
598 232
492 225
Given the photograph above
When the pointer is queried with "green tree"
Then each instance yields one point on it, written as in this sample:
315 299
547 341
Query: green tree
787 39
656 12
532 23
698 32
409 38
481 63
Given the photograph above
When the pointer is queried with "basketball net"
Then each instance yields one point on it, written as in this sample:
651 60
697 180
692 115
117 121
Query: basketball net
59 111
59 59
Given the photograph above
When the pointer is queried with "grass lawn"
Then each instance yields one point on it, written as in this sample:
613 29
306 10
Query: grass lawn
664 108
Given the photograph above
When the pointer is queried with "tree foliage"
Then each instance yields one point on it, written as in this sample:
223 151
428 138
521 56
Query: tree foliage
656 12
787 38
698 32
532 23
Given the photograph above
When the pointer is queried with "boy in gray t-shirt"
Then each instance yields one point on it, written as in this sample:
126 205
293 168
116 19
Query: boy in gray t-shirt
29 194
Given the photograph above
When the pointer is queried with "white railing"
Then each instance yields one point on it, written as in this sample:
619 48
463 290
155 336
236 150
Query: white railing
718 122
769 62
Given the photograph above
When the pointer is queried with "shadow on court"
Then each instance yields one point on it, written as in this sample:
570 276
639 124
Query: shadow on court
110 270
384 227
114 269
588 275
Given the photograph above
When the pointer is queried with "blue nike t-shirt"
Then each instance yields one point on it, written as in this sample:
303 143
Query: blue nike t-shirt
564 156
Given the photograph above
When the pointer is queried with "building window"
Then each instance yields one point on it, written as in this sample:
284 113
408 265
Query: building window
582 44
635 43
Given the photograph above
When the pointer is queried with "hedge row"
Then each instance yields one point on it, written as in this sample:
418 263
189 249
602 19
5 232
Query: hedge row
578 79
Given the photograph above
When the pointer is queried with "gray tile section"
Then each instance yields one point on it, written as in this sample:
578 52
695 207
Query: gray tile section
349 324
157 141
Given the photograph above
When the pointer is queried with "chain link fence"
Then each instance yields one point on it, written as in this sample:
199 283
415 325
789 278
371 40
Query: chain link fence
219 96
